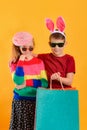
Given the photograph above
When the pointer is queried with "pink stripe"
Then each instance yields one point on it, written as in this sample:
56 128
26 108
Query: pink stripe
33 69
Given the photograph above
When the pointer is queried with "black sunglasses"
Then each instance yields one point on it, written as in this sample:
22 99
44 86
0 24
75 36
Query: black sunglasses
61 44
25 49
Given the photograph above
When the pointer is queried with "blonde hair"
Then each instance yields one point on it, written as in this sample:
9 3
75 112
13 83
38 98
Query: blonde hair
15 53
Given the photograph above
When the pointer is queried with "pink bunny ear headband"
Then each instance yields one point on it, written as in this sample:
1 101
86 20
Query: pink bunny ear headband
60 23
22 38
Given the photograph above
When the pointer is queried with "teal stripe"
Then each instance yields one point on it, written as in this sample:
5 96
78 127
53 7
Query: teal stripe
44 83
18 79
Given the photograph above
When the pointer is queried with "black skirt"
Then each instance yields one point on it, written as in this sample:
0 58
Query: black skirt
22 116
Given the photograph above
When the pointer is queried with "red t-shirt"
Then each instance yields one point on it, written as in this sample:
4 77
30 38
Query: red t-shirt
53 64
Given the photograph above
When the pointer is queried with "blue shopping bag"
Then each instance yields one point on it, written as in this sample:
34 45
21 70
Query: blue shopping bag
57 110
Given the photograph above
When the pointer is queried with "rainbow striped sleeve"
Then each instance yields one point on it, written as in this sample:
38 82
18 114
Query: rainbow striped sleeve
17 73
18 76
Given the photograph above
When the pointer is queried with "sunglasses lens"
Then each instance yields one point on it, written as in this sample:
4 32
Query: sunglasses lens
52 44
31 48
58 44
24 49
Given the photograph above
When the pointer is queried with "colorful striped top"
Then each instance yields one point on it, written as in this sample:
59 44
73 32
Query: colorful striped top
31 72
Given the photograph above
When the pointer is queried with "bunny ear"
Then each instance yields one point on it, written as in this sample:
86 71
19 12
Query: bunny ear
60 23
49 24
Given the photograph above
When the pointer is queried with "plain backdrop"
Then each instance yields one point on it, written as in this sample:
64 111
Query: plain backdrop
26 15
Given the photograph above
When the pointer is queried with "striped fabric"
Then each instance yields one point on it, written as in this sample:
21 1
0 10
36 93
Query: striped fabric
33 73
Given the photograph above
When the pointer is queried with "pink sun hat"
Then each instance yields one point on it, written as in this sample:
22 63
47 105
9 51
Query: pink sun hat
22 38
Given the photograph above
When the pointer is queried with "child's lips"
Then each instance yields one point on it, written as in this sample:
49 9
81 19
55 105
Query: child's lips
55 50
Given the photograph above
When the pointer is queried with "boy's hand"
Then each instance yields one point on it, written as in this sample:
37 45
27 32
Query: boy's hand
55 76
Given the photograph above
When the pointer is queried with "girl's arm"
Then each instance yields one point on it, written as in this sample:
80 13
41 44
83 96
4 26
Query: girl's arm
18 75
17 71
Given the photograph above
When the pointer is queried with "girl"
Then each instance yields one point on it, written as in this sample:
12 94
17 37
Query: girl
28 74
59 66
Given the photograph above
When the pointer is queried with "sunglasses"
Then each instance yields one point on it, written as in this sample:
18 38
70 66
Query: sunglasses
25 48
61 44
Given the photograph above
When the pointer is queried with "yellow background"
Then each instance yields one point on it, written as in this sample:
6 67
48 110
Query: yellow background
26 15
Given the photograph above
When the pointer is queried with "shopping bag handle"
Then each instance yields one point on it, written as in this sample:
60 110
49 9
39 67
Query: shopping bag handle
59 81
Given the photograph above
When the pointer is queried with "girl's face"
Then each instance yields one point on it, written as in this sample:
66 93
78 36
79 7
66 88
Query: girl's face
27 49
57 46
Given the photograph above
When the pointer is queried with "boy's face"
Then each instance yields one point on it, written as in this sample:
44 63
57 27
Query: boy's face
57 46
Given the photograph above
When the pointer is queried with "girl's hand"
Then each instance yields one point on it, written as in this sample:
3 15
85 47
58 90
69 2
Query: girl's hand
55 76
21 86
25 57
22 57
